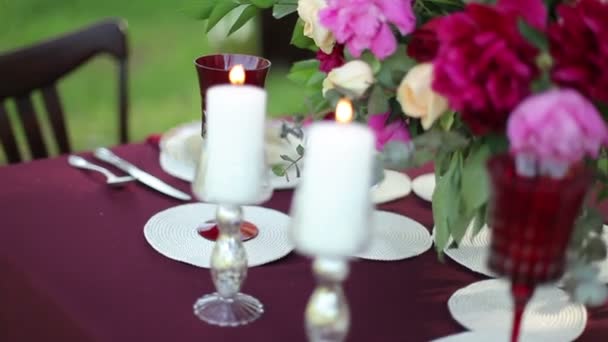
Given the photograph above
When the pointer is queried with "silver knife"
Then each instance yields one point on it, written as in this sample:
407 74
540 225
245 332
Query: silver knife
109 157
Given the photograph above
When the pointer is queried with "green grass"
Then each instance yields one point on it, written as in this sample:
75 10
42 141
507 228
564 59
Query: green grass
164 39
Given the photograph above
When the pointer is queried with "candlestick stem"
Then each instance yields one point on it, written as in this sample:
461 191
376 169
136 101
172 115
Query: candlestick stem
327 312
227 306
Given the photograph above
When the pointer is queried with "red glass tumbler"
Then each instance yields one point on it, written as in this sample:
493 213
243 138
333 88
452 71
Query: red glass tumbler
214 69
532 219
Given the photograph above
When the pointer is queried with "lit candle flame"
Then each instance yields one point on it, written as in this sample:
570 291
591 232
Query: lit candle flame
344 111
237 75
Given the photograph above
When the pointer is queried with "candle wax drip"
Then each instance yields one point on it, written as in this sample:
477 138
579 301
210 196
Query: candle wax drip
210 231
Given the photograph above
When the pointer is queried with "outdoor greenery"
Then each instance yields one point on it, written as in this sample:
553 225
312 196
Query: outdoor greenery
164 36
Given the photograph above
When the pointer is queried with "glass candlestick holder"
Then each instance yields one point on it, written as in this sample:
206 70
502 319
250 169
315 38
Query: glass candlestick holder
327 314
228 306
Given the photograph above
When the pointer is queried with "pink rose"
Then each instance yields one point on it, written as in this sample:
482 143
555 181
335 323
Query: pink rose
557 127
395 131
365 24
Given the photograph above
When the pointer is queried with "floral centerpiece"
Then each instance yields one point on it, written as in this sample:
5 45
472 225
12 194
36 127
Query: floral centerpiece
458 82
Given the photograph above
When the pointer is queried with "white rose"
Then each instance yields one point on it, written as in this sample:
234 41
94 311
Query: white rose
417 98
308 10
355 76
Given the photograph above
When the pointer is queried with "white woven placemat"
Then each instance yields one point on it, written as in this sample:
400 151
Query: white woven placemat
396 237
424 186
174 234
487 306
482 336
394 186
473 252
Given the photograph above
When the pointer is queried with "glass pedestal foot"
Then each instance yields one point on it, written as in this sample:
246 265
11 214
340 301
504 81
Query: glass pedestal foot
228 312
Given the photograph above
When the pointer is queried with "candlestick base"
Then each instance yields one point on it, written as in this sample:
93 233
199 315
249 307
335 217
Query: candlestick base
228 312
327 313
228 307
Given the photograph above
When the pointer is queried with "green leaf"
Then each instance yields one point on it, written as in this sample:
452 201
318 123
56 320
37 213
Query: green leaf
278 170
316 80
532 35
300 150
394 68
205 9
283 9
479 220
263 3
220 10
301 72
248 13
298 38
475 182
287 158
442 205
378 101
333 96
447 120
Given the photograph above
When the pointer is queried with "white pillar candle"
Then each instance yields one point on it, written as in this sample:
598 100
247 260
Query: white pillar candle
232 168
331 212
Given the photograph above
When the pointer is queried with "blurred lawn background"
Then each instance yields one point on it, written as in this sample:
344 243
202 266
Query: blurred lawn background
164 38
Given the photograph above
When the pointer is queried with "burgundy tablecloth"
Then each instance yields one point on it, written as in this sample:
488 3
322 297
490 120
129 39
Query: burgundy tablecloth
74 266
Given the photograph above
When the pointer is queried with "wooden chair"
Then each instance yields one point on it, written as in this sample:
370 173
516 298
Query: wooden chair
39 67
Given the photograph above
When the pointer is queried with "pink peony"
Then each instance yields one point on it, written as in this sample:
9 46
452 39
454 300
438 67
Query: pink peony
395 131
559 126
365 24
533 12
328 62
484 66
580 49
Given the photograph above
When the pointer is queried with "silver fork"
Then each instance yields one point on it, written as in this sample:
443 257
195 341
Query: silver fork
111 179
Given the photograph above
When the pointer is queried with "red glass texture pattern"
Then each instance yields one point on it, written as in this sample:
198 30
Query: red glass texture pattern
532 220
210 231
214 69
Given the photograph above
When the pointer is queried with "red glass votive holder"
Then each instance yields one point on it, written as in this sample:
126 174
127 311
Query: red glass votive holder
532 220
214 69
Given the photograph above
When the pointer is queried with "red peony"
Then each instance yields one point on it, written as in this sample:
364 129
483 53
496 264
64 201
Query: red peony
579 47
333 60
424 45
484 66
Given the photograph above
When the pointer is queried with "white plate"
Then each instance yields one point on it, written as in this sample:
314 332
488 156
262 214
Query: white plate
181 146
174 234
473 252
487 306
424 186
481 336
394 186
396 237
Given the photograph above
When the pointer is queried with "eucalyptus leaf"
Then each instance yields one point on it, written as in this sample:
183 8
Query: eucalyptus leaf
300 150
287 158
378 101
278 170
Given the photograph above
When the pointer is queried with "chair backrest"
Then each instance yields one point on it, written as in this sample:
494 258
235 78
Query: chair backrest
39 67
